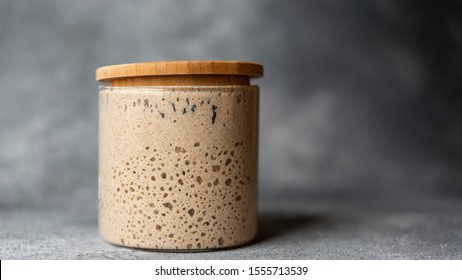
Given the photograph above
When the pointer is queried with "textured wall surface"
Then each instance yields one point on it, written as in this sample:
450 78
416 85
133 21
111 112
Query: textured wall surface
358 96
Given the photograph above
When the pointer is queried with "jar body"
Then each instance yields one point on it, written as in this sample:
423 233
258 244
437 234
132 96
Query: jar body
178 166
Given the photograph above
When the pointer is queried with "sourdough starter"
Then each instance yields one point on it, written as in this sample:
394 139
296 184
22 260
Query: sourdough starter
178 166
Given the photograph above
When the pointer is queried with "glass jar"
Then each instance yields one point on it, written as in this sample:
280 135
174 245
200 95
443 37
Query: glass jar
178 147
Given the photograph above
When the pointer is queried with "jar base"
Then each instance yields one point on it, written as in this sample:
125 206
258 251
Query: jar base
181 251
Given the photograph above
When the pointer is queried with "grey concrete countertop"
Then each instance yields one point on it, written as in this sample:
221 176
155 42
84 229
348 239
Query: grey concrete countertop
320 227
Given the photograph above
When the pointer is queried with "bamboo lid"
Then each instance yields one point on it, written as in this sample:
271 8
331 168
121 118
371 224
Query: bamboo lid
200 72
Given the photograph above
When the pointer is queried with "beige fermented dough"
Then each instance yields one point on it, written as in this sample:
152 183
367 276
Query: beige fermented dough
178 166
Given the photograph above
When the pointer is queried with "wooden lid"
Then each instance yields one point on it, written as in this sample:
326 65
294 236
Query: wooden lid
179 68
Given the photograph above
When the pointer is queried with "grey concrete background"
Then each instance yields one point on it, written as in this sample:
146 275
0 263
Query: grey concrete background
360 99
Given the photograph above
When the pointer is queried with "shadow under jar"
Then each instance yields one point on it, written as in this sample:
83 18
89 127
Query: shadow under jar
178 148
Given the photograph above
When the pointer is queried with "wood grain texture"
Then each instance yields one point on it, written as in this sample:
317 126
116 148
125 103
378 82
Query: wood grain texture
200 72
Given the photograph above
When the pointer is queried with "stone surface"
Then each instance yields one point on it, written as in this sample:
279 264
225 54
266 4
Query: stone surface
292 228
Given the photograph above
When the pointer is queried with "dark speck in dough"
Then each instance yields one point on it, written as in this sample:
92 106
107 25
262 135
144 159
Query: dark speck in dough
214 113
